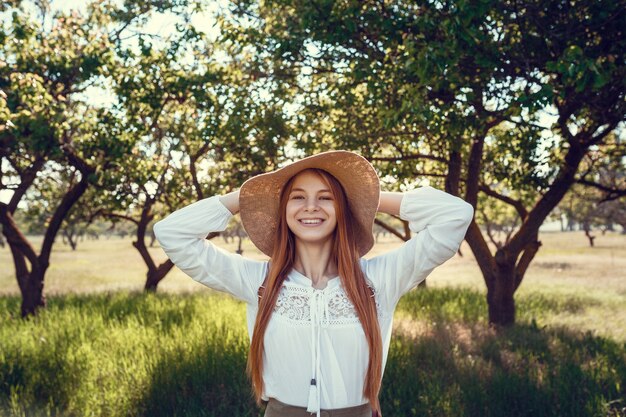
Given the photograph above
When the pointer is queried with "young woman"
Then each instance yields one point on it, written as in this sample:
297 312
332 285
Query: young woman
319 315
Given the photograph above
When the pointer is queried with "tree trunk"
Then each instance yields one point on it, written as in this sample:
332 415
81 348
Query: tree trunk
71 238
589 236
239 250
155 275
32 296
30 282
571 225
500 298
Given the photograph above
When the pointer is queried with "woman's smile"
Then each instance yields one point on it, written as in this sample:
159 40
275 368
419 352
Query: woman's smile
311 222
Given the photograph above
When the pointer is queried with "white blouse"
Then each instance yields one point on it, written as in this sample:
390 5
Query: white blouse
316 334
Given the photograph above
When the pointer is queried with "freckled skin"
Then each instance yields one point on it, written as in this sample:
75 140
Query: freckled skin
311 198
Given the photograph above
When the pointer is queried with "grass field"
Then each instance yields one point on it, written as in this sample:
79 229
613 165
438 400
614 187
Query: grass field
103 349
591 282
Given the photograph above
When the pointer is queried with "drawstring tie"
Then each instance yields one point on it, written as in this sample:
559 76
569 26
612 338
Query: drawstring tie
319 319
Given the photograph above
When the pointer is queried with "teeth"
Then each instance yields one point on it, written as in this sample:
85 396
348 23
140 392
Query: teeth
311 221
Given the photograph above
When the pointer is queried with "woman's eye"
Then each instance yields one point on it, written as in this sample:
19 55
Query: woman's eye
297 197
326 198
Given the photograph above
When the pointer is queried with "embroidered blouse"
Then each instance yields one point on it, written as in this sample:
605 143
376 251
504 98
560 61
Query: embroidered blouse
315 334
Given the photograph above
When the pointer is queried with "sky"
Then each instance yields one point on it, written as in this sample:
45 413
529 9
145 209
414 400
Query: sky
161 24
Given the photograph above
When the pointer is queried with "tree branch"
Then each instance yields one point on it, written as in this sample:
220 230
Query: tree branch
489 231
14 236
521 210
69 199
611 193
407 158
473 170
392 230
527 256
118 216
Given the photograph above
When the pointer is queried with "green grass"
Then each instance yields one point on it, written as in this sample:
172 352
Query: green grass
462 367
133 354
101 349
125 355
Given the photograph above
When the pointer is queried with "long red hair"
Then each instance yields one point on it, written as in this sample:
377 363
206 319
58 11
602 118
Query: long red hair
346 256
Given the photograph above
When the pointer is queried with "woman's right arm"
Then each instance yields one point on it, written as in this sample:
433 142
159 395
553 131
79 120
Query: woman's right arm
182 235
231 201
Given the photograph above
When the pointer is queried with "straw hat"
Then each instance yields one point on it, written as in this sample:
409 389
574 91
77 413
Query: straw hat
259 196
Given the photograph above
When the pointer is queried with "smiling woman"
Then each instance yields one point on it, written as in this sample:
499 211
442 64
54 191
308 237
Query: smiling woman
319 314
310 210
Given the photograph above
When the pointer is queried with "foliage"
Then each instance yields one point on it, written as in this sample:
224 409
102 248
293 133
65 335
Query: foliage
177 129
588 208
430 78
594 201
53 143
502 98
507 101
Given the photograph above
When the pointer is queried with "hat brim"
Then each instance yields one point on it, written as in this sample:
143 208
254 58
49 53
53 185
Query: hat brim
259 196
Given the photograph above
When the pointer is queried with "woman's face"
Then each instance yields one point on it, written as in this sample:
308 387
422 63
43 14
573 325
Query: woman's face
310 209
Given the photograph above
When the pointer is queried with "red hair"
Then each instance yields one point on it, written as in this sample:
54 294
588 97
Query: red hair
345 254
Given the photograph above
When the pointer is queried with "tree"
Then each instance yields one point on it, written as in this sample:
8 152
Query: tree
598 199
197 133
38 210
463 93
151 86
48 129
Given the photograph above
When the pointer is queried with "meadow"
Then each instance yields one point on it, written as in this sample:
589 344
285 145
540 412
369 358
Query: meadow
104 348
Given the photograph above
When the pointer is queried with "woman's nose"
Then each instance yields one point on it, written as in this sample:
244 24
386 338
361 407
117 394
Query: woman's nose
311 204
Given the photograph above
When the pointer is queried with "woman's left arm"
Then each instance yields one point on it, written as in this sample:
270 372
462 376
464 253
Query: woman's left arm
439 221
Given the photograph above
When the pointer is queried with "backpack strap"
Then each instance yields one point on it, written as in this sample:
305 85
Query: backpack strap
261 289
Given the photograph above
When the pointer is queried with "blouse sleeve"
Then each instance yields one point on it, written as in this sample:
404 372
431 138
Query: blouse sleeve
182 236
439 221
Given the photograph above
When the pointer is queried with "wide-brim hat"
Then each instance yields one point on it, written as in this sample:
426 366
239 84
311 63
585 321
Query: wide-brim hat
259 196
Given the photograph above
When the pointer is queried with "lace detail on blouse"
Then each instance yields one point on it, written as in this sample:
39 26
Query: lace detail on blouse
294 304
